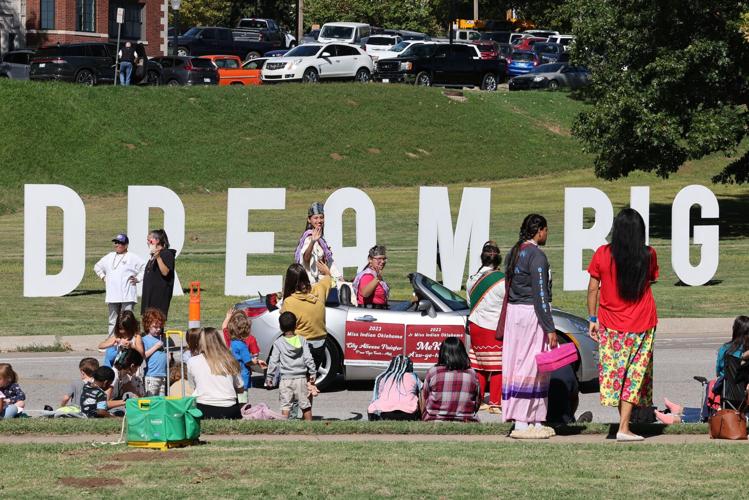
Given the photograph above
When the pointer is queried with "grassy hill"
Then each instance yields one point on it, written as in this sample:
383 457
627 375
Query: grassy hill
99 140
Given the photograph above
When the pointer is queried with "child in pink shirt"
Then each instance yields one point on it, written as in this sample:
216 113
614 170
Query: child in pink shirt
396 392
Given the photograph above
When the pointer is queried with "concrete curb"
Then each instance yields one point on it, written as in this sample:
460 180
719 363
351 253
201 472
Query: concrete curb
693 327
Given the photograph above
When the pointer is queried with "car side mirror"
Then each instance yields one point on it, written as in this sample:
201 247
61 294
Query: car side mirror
426 308
325 55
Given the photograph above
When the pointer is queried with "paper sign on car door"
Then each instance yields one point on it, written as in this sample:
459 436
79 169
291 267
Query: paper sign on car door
373 342
423 341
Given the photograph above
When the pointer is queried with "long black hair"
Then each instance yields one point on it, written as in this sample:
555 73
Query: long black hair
740 337
490 255
532 224
631 254
160 235
296 280
398 367
453 355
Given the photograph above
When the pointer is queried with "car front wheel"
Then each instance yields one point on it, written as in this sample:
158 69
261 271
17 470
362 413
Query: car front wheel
310 76
553 85
363 75
85 77
489 82
152 78
183 51
424 79
252 55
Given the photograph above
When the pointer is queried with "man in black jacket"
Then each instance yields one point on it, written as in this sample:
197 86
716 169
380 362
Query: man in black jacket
127 56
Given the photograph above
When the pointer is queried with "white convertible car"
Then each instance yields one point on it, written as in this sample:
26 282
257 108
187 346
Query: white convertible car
312 62
361 341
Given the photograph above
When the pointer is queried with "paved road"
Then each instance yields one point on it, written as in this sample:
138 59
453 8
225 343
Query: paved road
678 357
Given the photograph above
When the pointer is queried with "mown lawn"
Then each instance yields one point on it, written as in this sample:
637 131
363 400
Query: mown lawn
376 470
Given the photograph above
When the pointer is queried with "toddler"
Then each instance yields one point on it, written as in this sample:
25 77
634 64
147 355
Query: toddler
12 398
291 356
238 328
153 343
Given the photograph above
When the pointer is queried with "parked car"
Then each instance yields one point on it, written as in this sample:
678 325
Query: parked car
397 49
541 33
449 65
548 52
496 36
310 63
488 49
353 33
437 310
563 40
203 41
521 62
231 71
466 35
553 77
15 64
527 43
267 30
408 35
88 64
377 44
505 50
186 70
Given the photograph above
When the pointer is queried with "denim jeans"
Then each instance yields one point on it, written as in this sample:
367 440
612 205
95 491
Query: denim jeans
11 411
126 70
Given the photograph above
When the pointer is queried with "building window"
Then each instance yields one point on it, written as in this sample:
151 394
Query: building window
132 28
47 15
85 19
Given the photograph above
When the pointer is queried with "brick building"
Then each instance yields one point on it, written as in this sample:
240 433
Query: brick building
70 21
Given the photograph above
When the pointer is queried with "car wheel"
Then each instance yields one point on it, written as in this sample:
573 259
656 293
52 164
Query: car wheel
330 366
489 82
553 85
310 76
424 79
173 82
363 76
153 78
85 77
183 51
252 55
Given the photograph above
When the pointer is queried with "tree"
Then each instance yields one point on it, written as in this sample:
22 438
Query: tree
203 13
670 83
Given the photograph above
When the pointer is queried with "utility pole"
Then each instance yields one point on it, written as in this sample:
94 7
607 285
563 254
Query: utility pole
299 21
475 10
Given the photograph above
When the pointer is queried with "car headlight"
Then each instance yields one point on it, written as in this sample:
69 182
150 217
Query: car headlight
406 66
289 65
539 78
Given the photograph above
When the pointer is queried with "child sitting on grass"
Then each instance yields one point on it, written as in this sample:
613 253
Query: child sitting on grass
176 380
127 383
154 344
12 400
94 396
238 328
72 397
291 356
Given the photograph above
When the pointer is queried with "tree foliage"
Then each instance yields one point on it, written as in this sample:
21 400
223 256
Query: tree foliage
670 83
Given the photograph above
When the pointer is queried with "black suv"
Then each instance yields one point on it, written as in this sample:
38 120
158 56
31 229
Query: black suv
87 64
448 65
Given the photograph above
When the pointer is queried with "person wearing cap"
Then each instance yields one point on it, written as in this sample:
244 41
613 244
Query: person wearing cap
313 249
121 271
485 291
371 288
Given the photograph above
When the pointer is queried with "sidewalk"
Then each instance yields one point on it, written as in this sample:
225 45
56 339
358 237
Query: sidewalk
677 327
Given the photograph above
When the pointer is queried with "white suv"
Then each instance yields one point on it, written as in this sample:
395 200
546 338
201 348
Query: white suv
312 62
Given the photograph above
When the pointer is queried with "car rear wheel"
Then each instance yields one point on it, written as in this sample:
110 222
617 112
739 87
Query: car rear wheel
330 365
310 76
553 85
489 82
85 77
173 82
183 51
424 79
252 55
152 78
363 75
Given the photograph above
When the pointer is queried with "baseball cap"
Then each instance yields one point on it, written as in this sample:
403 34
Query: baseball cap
121 238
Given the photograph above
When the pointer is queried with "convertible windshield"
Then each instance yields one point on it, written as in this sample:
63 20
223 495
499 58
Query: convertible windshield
453 301
303 51
339 32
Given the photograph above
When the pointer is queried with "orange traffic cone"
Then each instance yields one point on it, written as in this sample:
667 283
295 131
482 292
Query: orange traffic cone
193 313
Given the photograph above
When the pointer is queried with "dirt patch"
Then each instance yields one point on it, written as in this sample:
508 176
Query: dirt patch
374 151
423 151
556 129
110 467
336 156
551 127
90 482
352 103
130 146
140 456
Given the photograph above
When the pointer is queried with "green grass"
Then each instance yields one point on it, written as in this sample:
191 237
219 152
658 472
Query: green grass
99 140
376 470
43 426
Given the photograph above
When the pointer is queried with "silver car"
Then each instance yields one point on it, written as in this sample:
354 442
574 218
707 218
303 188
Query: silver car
361 341
552 76
15 64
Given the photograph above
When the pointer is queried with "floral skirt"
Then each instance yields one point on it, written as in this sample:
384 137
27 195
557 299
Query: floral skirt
626 369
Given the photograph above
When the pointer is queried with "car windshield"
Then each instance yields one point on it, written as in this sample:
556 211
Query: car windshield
192 32
547 68
522 56
380 40
338 32
453 301
303 51
400 47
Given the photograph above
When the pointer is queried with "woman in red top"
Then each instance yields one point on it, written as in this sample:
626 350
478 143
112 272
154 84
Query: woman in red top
371 289
625 321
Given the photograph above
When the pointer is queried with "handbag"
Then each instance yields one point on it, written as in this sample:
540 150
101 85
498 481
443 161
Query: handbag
728 424
564 355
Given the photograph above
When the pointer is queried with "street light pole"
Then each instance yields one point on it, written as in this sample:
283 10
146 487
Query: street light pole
452 20
175 7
